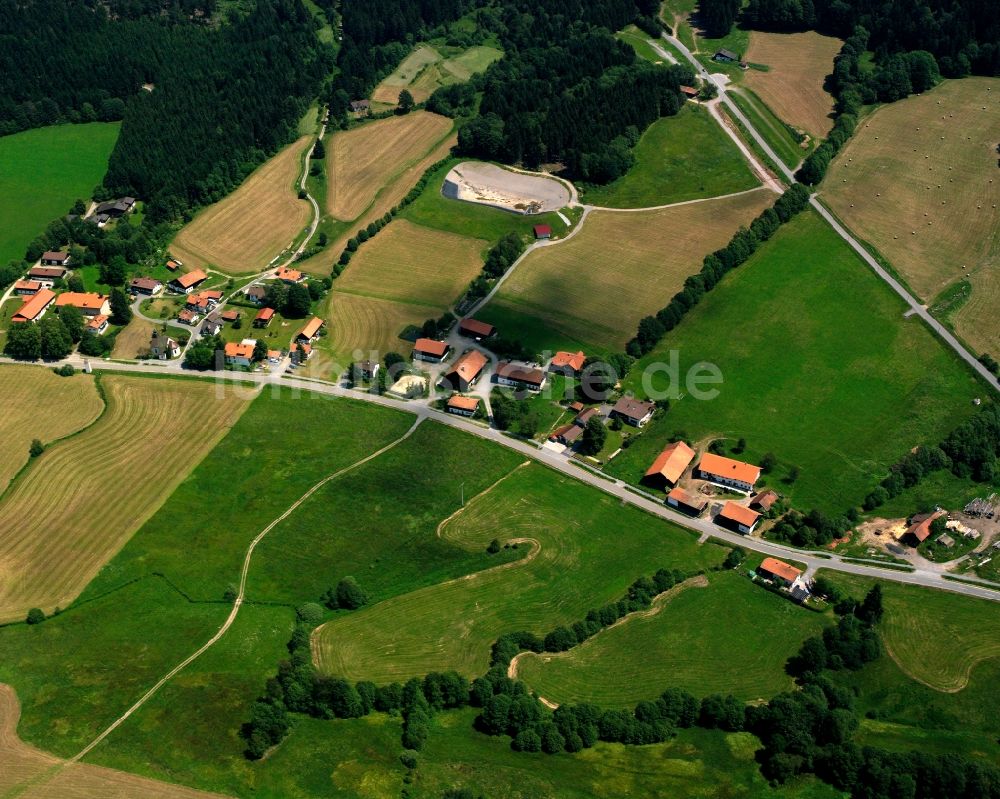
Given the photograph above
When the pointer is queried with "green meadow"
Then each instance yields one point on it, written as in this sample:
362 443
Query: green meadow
685 157
43 172
818 366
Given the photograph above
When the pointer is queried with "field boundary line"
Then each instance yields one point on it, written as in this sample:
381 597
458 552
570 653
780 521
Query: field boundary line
482 493
604 208
238 602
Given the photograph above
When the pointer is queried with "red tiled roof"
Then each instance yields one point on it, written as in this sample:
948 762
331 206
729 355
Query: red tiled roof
739 513
27 285
264 314
431 347
921 525
46 272
780 569
573 360
147 283
86 301
190 279
542 230
672 462
686 498
55 255
477 328
727 467
97 322
463 403
234 350
34 305
765 499
468 366
312 328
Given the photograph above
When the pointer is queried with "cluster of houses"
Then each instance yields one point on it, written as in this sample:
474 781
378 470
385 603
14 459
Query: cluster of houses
36 291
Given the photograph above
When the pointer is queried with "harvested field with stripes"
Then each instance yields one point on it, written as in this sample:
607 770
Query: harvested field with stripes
39 404
363 161
793 86
425 70
251 226
622 266
83 499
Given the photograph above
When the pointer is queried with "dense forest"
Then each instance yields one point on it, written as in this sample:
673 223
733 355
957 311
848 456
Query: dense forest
963 35
223 96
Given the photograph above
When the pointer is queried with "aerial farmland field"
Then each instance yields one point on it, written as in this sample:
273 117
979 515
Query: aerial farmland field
919 182
42 172
245 231
425 69
620 267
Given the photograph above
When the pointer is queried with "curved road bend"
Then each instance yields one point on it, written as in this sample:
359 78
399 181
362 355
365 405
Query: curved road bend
915 306
560 463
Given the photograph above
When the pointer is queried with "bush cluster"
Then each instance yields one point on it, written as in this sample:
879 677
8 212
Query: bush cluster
715 266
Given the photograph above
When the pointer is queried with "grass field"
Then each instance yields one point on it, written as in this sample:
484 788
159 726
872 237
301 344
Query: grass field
40 404
365 160
639 658
919 181
432 209
818 366
134 339
251 226
413 264
42 172
571 567
685 157
425 69
793 86
775 132
83 499
621 267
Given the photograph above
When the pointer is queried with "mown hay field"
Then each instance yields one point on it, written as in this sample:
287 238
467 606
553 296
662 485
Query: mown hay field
134 339
425 70
793 86
40 404
648 652
245 231
84 498
818 366
40 775
919 181
622 266
367 324
409 263
575 562
44 170
361 162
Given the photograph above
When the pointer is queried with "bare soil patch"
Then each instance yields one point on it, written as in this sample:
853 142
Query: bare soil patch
489 184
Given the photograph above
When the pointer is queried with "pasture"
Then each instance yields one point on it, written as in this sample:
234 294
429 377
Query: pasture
919 182
670 646
243 232
42 172
685 157
570 567
366 324
818 366
40 404
793 85
82 499
622 266
775 132
425 69
363 161
413 264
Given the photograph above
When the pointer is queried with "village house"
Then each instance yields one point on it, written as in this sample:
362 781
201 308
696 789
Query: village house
728 472
290 276
920 526
26 288
300 353
463 406
685 502
231 316
55 258
145 285
203 301
274 357
240 354
256 294
263 317
114 209
188 282
784 575
567 434
764 500
738 518
212 326
35 306
173 264
368 369
162 347
567 363
542 232
427 349
310 332
669 465
473 328
97 325
519 376
46 275
360 106
632 411
465 371
89 303
186 317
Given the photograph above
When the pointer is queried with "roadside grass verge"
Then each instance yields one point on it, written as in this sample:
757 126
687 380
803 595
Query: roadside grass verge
818 367
775 132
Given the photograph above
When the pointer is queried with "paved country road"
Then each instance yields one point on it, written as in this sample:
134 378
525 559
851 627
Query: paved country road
915 306
560 463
